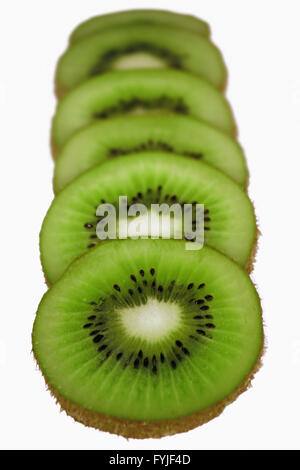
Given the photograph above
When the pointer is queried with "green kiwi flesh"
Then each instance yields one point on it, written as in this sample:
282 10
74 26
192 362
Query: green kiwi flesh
136 341
134 134
139 17
137 92
140 46
69 228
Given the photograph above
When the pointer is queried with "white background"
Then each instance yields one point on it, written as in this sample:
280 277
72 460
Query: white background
260 41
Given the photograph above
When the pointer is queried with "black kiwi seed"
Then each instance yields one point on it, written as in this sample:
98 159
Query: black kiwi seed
178 343
201 286
162 358
201 332
152 271
153 284
88 225
204 307
140 354
160 288
210 325
97 338
199 301
209 297
119 355
132 277
198 317
185 351
113 152
178 356
209 316
136 363
87 325
173 364
92 317
91 245
142 272
101 348
146 362
93 333
116 287
140 290
190 286
130 291
93 303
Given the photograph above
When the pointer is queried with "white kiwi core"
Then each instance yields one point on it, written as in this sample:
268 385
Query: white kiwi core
138 60
151 322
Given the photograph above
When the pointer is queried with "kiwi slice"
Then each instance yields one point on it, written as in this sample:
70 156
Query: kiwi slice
69 228
136 341
134 134
140 46
137 92
139 17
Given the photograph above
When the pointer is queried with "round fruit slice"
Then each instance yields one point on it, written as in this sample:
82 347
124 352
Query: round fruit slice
145 339
134 134
139 17
140 46
138 92
70 226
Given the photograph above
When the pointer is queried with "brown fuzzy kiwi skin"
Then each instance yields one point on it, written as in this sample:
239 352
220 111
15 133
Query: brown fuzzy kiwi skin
59 92
252 258
151 429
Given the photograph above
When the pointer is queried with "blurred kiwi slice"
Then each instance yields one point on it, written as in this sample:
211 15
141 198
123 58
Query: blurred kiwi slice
142 338
70 226
101 23
140 46
134 134
139 92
